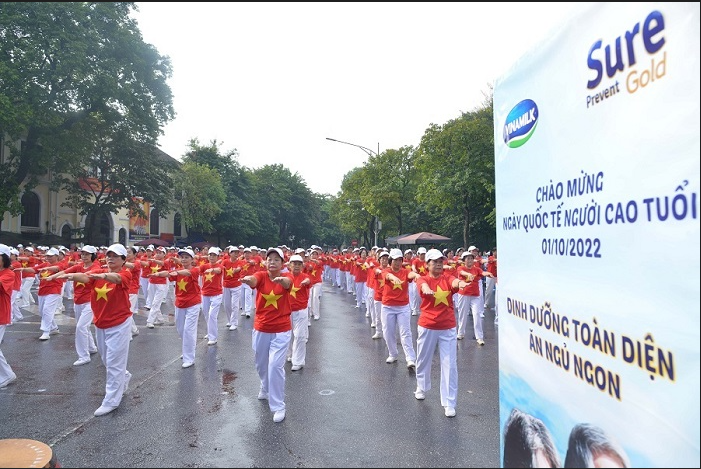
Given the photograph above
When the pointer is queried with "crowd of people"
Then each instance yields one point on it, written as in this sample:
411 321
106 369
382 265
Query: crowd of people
281 286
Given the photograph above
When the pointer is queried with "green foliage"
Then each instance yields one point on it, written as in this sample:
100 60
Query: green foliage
200 194
67 69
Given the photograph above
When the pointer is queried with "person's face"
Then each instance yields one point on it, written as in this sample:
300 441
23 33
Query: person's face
213 258
384 261
114 261
185 259
469 261
274 262
52 259
85 256
397 264
435 267
296 267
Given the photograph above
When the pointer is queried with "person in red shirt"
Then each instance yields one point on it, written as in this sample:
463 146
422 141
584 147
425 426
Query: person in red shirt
28 259
315 270
491 284
212 293
379 283
188 302
158 287
109 298
16 288
360 277
395 308
84 342
7 285
249 266
232 287
436 327
299 305
49 293
134 265
271 330
472 297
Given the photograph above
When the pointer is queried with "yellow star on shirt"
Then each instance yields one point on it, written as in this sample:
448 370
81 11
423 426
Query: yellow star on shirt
230 272
314 273
155 269
422 269
364 267
79 284
294 290
102 292
245 267
182 285
208 277
44 274
382 282
271 299
396 286
441 296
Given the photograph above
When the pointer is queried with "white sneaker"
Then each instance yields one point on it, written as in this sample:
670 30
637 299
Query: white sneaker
81 361
289 359
212 342
103 410
228 324
461 336
54 331
188 364
419 394
279 416
233 328
262 395
243 313
296 367
150 325
377 335
127 379
411 364
413 313
372 324
135 331
449 411
391 359
9 380
45 336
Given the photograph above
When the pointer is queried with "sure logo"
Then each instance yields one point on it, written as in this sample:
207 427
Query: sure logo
520 123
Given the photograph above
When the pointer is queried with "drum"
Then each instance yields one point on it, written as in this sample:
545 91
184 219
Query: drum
18 452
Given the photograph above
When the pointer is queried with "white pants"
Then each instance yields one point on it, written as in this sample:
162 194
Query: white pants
68 289
475 305
25 288
414 298
14 306
315 300
232 301
489 293
47 308
300 335
335 277
270 351
376 315
5 368
84 342
186 324
134 303
113 345
157 293
210 311
350 283
360 294
393 316
426 343
247 299
143 283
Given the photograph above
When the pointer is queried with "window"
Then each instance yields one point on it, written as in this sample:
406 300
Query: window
155 222
177 225
30 217
66 232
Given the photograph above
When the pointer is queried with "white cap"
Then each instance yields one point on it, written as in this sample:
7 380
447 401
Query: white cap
20 245
408 251
433 254
214 250
161 249
254 248
234 248
187 251
52 252
466 253
14 251
29 248
118 249
472 248
383 253
396 254
246 249
300 251
296 258
278 251
88 248
4 249
421 250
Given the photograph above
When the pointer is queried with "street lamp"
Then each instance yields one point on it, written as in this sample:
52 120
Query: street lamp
376 223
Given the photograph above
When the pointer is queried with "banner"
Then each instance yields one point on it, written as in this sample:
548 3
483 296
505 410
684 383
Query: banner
597 187
138 226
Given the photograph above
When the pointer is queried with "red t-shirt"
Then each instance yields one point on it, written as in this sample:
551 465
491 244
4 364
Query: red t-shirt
437 311
187 289
299 294
110 301
48 287
472 288
81 292
232 278
395 295
492 265
314 269
211 282
272 305
31 262
7 280
135 275
18 275
155 268
419 266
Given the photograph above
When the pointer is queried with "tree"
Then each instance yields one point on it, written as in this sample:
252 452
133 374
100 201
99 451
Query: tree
118 173
63 67
200 194
456 165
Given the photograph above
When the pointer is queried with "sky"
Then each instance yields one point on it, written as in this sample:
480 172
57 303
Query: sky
273 81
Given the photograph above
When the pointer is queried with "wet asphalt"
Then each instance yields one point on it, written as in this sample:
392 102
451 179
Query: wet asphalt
345 408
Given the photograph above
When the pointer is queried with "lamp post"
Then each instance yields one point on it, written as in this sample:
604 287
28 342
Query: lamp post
376 224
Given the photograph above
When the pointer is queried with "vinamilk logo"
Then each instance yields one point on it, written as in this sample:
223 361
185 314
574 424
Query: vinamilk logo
520 123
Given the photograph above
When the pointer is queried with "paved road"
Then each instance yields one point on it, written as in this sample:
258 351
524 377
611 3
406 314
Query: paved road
346 408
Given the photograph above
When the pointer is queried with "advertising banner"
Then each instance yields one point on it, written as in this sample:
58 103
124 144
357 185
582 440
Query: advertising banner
597 187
